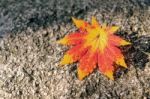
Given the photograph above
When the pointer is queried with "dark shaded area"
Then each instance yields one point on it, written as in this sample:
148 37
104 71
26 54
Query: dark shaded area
18 15
143 43
136 53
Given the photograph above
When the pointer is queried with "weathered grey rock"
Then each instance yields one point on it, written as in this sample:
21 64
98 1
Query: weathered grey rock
29 54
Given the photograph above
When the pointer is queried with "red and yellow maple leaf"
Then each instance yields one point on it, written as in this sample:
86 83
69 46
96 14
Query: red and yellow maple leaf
94 45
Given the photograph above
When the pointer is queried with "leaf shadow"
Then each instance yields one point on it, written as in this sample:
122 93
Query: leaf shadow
135 54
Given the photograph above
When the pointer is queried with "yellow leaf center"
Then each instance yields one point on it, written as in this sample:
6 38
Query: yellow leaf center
97 38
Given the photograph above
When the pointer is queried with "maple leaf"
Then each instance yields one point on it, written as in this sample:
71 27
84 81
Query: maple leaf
94 45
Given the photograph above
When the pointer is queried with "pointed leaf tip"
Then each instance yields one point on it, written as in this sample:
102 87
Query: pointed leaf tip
81 74
121 62
123 43
109 74
67 59
80 23
62 41
114 29
94 21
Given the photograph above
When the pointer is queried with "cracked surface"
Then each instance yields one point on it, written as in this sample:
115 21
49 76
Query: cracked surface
29 58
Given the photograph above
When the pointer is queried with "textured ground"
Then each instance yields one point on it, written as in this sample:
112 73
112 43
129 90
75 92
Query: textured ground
29 54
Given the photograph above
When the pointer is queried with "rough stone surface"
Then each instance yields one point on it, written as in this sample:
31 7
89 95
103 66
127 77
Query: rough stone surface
29 54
